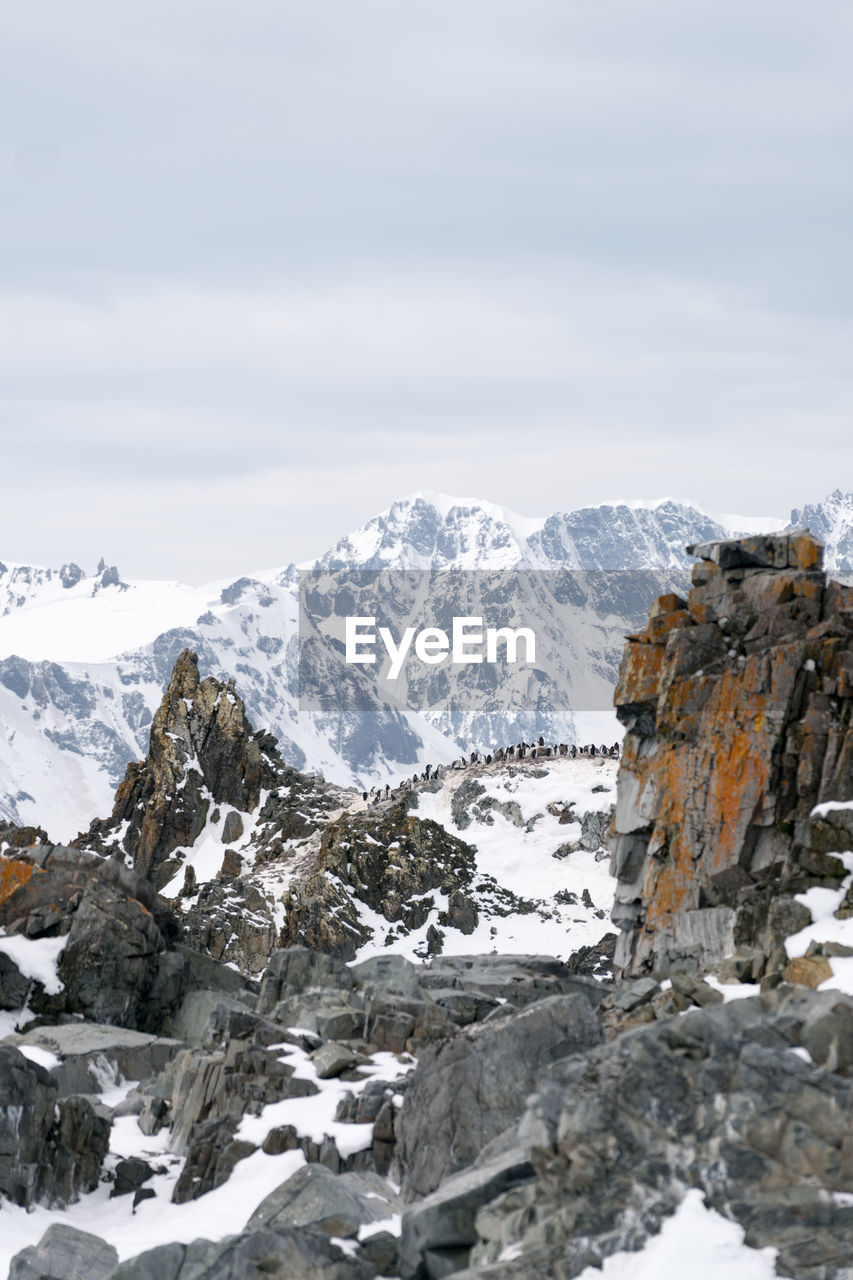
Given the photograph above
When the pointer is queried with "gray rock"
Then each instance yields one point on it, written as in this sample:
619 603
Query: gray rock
51 1150
233 827
388 973
93 1054
713 1099
117 965
630 995
130 1176
14 987
331 1059
468 1089
303 1254
519 979
441 1227
401 1024
293 970
328 1013
64 1253
334 1204
595 829
463 1007
191 1019
242 1077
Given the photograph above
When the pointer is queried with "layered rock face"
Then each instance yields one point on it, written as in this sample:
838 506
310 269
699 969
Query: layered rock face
202 752
738 704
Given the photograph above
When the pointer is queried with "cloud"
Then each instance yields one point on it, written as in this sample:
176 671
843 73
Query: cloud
545 253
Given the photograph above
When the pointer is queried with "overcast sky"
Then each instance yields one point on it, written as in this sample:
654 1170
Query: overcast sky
266 266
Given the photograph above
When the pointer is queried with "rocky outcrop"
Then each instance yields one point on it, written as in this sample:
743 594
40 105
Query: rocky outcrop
121 960
51 1149
394 863
117 964
715 1100
202 752
739 707
12 837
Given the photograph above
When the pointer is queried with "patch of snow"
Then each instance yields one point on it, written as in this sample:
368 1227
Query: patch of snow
822 904
314 1117
392 1225
830 806
157 1221
36 958
713 1245
43 1057
731 990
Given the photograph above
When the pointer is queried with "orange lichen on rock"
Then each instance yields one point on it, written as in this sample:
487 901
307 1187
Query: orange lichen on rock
13 873
736 730
808 971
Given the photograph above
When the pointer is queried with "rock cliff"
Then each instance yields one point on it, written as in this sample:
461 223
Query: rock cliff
738 703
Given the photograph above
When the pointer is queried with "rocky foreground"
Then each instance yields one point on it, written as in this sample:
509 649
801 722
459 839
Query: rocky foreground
242 1037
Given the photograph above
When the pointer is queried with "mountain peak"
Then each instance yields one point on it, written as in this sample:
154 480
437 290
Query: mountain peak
203 752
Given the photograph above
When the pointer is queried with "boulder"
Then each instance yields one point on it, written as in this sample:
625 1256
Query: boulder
93 1055
337 1205
14 987
294 970
440 1229
64 1253
470 1088
255 1255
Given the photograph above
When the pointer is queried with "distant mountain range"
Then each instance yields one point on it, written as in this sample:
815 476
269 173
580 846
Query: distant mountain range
84 657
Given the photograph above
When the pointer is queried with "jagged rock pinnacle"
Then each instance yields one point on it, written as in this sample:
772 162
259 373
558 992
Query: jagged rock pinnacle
202 752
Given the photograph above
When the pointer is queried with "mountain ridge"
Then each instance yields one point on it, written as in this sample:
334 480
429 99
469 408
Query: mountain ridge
70 725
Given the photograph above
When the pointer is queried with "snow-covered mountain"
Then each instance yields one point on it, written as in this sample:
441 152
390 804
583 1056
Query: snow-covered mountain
84 658
832 522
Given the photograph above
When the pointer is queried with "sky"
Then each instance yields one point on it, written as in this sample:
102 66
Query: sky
267 266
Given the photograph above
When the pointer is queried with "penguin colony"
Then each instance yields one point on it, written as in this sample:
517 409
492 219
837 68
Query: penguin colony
518 751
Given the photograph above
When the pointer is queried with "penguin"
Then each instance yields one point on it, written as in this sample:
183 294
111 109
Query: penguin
541 742
574 751
364 795
427 772
387 789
